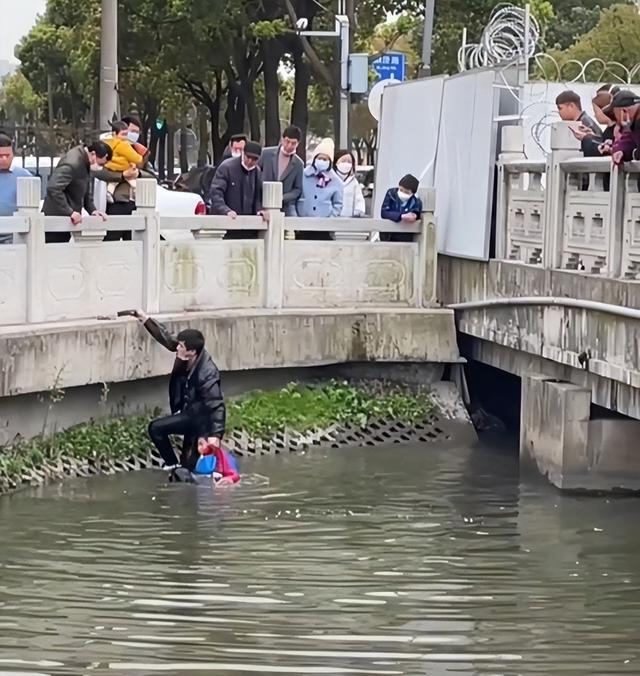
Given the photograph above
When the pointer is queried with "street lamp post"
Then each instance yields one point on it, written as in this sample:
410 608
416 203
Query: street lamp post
427 37
342 33
109 105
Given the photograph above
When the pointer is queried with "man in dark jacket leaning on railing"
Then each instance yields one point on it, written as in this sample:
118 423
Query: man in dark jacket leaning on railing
195 396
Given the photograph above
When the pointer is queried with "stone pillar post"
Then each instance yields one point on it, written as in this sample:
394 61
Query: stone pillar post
554 430
29 207
273 244
511 148
427 250
146 190
564 145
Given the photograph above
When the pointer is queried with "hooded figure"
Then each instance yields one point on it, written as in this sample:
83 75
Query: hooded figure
321 187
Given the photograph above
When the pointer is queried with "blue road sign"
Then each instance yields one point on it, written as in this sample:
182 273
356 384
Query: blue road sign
391 66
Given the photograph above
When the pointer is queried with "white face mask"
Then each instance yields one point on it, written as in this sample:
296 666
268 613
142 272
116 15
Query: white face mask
236 153
322 165
403 196
344 167
133 136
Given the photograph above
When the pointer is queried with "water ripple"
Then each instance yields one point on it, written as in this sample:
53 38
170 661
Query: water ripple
395 560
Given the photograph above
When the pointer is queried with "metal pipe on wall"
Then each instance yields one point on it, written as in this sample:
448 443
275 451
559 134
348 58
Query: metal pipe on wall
548 301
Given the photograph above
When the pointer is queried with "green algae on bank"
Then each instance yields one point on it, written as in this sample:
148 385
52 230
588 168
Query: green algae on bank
109 444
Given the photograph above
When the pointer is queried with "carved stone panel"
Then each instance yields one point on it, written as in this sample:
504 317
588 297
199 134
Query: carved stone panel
90 279
13 284
209 274
343 274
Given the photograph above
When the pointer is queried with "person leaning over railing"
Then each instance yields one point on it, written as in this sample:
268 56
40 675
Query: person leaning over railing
69 186
9 176
401 205
593 145
236 189
626 108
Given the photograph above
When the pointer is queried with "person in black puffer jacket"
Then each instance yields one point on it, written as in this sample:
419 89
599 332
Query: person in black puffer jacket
195 396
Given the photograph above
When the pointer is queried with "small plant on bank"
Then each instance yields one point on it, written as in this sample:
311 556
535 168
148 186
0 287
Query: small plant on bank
260 414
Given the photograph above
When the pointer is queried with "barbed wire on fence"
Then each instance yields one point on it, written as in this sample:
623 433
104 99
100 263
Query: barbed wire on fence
504 39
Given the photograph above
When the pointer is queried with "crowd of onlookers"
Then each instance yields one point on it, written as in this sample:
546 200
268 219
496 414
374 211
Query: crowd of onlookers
326 187
616 130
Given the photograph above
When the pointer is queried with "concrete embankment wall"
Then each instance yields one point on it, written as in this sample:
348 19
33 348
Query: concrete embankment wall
55 375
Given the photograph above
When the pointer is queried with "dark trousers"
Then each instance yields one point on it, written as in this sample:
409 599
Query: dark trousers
181 424
396 237
119 209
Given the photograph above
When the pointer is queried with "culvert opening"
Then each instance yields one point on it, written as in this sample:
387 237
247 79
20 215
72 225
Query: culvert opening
495 398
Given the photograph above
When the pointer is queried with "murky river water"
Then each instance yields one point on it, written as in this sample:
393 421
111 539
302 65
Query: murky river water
365 561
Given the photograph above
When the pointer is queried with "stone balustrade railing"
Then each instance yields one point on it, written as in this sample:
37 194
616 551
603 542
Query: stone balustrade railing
570 212
88 277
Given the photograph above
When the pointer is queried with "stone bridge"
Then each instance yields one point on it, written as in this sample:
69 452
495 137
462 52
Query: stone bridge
266 304
558 305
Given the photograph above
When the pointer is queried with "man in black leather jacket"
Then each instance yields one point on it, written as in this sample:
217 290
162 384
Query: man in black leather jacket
195 396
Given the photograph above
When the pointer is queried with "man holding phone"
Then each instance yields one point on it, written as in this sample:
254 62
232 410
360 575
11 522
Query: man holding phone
570 110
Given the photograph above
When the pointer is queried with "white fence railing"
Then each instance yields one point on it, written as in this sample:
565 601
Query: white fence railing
570 213
202 270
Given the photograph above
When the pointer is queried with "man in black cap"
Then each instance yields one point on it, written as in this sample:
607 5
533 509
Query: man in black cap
401 205
236 189
626 108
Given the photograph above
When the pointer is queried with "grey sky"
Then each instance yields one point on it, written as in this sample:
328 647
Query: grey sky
17 16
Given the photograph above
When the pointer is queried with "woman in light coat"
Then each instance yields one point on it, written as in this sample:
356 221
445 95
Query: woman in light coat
353 205
321 187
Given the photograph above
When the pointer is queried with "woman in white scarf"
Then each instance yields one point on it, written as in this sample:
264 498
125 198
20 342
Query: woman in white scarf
353 205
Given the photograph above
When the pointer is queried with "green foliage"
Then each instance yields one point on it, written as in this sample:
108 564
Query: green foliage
616 37
93 443
18 99
572 19
301 408
296 407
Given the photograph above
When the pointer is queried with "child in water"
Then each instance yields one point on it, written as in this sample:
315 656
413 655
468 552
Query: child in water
216 462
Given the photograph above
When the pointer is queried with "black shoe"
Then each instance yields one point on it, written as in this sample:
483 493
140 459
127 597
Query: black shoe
181 475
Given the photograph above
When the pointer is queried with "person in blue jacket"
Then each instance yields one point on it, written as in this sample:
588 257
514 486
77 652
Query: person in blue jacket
401 205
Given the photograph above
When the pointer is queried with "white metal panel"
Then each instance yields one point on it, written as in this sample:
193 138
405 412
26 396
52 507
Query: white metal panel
408 134
465 164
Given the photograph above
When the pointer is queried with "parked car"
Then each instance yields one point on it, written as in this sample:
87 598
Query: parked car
168 202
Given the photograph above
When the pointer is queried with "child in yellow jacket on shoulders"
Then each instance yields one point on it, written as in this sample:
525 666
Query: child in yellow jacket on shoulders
124 154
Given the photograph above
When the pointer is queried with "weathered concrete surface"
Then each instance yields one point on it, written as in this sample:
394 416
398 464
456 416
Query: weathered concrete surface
572 451
47 356
555 335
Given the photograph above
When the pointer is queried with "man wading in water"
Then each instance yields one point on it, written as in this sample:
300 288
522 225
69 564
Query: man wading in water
195 398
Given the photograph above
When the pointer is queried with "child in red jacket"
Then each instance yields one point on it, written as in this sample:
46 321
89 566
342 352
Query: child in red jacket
217 462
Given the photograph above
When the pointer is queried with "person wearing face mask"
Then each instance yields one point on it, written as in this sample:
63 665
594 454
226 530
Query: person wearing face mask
321 187
353 205
281 163
69 186
236 189
121 182
121 144
401 205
